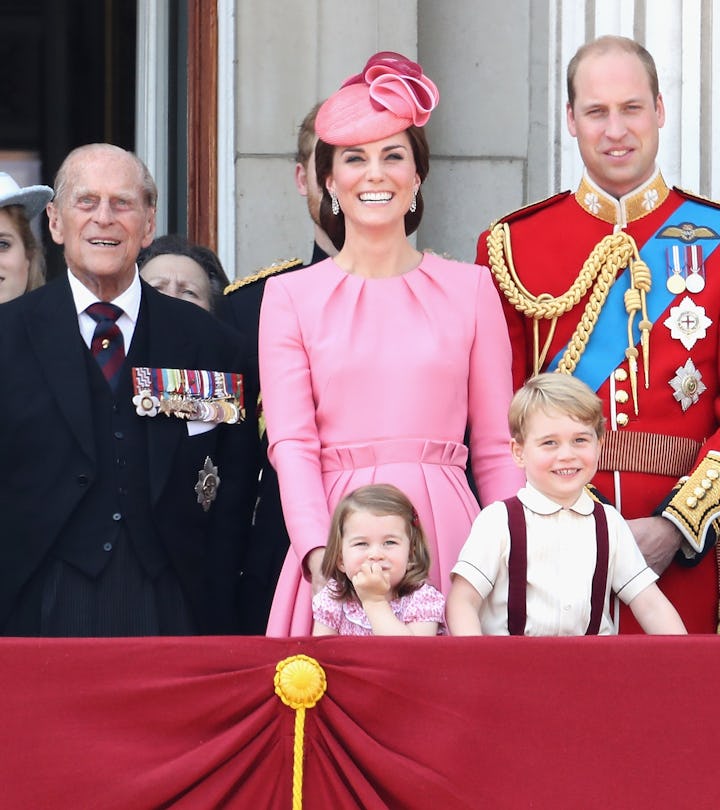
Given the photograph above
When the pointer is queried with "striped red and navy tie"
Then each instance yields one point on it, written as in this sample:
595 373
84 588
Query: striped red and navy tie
107 341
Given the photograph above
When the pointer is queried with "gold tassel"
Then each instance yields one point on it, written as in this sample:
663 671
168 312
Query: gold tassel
300 682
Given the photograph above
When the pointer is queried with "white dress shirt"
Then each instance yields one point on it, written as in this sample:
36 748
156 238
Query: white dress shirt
561 555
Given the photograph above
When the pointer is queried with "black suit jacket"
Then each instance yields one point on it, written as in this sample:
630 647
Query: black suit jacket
48 453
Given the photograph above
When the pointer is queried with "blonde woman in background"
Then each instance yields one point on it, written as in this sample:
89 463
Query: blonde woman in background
22 263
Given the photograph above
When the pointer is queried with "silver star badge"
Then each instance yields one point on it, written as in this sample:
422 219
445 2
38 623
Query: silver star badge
687 385
207 484
687 323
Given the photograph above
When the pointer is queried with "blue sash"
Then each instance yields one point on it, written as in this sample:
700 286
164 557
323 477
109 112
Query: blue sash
605 350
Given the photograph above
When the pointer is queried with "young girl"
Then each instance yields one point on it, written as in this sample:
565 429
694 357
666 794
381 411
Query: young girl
376 563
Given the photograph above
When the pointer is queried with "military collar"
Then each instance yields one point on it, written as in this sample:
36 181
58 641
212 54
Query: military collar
635 205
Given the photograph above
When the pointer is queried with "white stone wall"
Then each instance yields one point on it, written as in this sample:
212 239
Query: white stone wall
478 53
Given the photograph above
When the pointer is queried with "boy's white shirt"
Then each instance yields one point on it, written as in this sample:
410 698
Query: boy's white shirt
561 562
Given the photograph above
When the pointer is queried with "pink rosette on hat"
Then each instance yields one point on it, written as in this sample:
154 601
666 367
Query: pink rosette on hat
390 95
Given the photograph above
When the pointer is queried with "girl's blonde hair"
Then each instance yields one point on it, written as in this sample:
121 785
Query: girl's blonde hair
378 499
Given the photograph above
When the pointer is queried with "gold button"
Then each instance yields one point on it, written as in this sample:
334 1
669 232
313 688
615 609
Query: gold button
622 397
691 502
622 419
620 374
712 474
706 483
699 493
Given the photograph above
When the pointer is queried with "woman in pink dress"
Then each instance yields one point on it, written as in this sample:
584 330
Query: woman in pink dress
373 364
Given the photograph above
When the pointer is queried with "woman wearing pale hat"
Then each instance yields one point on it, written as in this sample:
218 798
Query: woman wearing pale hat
374 363
22 264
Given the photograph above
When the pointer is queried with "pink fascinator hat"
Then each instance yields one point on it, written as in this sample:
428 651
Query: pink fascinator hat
391 94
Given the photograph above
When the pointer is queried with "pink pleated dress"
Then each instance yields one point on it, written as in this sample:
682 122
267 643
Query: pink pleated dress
374 380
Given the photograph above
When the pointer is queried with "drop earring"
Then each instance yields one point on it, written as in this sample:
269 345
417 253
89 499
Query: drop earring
413 204
334 204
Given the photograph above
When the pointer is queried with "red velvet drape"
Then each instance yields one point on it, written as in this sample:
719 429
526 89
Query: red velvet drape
141 724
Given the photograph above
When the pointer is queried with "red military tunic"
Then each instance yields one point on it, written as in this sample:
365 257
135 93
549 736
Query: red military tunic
647 455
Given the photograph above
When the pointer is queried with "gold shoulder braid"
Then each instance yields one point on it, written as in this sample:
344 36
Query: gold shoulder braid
612 254
264 272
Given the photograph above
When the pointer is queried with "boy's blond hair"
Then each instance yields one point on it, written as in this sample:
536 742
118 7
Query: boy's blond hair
555 392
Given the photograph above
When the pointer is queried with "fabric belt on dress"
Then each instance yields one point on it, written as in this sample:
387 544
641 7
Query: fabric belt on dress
653 453
425 451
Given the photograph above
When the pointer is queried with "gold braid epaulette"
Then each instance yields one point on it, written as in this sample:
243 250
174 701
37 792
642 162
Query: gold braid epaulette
612 254
271 270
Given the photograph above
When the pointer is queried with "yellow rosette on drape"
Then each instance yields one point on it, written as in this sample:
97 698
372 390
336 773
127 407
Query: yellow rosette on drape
300 683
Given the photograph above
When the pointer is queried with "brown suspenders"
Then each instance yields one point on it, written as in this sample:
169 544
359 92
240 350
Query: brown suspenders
517 569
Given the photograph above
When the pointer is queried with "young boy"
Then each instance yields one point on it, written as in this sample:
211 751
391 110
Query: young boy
545 563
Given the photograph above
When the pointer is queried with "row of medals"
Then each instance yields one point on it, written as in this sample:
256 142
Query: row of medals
202 410
693 282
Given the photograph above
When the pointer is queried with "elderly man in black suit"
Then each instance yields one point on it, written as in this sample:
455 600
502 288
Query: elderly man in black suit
127 481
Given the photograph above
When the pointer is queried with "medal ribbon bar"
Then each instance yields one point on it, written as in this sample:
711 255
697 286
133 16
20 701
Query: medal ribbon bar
192 394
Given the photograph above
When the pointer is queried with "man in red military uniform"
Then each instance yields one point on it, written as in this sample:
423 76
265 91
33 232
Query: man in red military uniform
619 284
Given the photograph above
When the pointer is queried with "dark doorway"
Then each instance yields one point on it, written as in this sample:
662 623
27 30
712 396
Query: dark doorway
69 71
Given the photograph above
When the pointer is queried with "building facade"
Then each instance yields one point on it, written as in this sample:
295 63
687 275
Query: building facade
214 91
